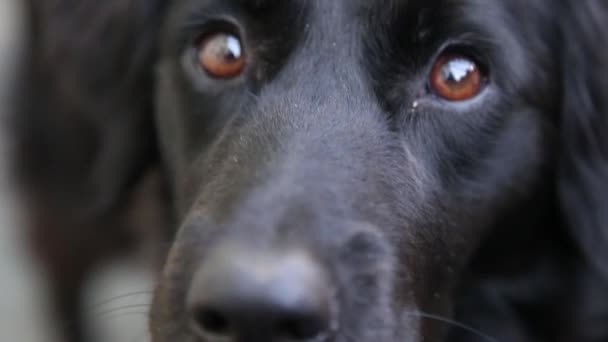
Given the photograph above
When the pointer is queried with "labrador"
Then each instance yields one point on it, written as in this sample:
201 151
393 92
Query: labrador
326 170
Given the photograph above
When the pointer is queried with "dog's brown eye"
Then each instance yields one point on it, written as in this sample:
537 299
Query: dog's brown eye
456 78
221 55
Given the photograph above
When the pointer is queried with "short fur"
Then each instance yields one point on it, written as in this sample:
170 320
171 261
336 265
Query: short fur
492 212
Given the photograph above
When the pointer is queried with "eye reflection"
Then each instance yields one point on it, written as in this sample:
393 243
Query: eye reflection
457 70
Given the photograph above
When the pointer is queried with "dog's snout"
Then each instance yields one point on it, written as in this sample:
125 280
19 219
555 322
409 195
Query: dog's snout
269 297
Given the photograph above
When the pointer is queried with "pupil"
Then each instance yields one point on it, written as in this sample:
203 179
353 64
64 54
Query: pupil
231 48
457 70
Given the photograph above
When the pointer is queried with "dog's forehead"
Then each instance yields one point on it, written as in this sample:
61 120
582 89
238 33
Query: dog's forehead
388 8
376 16
341 15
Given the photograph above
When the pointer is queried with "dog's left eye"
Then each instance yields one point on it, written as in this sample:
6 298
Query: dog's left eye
456 77
221 55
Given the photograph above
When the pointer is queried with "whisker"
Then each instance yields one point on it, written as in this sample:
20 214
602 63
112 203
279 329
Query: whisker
452 323
123 296
119 309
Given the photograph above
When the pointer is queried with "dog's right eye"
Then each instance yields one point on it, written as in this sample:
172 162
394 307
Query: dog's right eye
221 55
456 77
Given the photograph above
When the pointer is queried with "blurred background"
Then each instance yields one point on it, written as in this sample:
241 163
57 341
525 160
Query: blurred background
118 295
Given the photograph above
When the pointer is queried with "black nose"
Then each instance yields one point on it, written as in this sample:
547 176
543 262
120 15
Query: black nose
238 296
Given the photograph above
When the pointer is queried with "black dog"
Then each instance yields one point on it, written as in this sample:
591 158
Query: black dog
335 170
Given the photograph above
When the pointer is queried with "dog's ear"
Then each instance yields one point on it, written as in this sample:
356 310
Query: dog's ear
84 132
583 170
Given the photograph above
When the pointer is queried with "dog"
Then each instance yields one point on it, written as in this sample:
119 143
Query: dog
326 170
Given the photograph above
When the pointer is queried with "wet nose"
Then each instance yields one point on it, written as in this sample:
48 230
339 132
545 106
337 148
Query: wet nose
282 296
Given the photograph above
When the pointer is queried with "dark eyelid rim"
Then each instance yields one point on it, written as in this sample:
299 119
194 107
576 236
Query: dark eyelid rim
194 32
468 48
465 47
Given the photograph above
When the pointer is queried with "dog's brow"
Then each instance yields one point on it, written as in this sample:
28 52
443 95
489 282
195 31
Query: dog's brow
387 8
257 4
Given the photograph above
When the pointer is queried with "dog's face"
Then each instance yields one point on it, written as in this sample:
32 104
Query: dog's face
336 163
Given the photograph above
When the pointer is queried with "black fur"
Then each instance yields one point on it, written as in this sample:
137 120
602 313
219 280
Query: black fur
490 212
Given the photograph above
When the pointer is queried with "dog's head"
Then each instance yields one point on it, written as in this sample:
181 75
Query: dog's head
336 164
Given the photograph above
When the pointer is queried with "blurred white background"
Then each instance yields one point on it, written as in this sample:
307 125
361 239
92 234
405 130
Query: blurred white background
115 315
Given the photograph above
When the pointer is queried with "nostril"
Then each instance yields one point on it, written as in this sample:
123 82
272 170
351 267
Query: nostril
212 322
280 296
302 328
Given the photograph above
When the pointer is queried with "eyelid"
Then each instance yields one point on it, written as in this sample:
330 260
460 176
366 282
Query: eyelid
475 48
196 31
464 50
190 27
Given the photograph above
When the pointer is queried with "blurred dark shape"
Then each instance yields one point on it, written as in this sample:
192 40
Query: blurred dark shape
84 141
